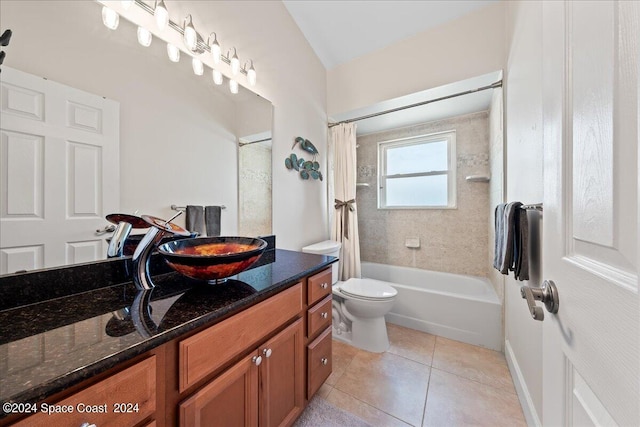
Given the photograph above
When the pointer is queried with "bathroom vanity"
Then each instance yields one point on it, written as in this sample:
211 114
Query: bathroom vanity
82 345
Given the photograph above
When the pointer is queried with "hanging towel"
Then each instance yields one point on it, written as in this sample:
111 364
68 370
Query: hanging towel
511 240
195 219
498 255
521 246
212 220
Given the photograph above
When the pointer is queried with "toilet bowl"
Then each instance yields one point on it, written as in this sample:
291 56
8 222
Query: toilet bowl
359 305
363 303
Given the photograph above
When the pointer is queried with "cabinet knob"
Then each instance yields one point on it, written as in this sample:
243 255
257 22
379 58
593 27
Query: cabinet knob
266 352
324 360
324 285
87 425
324 315
257 360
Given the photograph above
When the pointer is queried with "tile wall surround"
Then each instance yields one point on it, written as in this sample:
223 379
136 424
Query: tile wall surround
451 240
254 184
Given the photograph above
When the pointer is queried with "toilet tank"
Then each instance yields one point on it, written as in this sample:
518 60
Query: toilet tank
326 247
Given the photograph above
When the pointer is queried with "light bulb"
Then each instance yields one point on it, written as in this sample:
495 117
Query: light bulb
144 37
216 51
198 67
173 52
217 77
161 14
251 75
190 36
235 63
110 18
233 86
126 4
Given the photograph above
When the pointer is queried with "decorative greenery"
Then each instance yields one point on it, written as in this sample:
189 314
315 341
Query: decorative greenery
306 168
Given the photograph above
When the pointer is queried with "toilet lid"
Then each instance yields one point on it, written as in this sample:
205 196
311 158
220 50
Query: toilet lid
368 289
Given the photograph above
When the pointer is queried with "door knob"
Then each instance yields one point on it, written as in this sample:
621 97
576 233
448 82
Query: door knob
548 294
107 229
267 352
257 360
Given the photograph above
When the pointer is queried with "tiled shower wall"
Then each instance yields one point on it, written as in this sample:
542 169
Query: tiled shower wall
451 240
254 188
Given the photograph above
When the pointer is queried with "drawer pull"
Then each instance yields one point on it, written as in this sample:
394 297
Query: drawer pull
324 315
257 360
324 360
266 352
324 285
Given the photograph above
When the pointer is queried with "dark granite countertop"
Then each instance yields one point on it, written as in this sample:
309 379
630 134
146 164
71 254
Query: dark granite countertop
61 326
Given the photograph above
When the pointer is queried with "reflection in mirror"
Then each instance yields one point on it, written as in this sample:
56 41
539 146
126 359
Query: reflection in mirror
254 185
174 137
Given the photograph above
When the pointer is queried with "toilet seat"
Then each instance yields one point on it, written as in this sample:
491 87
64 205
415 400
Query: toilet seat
368 289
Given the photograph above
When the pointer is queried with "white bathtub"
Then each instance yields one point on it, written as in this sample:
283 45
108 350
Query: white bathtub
463 308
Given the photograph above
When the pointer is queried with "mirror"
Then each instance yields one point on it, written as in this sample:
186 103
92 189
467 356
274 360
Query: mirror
182 139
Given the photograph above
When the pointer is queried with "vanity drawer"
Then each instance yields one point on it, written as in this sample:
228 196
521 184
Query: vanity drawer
318 362
108 402
319 316
209 350
318 286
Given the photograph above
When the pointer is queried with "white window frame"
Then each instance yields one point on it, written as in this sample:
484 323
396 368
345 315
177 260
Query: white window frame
449 137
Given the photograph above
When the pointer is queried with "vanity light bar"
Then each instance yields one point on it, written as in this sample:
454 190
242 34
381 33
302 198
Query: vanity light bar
200 45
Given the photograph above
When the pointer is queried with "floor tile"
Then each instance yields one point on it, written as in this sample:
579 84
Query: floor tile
343 354
456 401
324 390
412 344
391 383
472 362
367 412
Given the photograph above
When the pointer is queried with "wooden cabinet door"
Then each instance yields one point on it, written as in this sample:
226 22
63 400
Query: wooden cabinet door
229 400
282 377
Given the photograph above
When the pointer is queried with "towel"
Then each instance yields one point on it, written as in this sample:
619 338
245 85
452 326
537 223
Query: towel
521 246
195 219
511 240
212 220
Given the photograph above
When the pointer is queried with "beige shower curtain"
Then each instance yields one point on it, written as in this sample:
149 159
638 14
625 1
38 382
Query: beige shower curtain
342 193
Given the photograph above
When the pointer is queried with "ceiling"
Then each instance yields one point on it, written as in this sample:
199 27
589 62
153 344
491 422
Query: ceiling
340 31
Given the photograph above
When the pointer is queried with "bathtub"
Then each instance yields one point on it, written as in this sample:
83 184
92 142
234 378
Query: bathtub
463 308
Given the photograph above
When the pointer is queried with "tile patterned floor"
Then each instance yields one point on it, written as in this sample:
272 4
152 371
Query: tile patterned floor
423 380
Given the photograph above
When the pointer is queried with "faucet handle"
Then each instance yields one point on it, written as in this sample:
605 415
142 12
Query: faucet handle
166 226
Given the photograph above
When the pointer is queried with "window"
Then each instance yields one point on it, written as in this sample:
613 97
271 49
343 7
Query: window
418 172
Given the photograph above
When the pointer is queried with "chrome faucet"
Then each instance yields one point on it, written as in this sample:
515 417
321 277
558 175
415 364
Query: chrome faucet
125 223
142 255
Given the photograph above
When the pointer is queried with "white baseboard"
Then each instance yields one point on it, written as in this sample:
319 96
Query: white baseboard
526 402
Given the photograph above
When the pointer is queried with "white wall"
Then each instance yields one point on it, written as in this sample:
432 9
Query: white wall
204 154
467 47
524 182
292 77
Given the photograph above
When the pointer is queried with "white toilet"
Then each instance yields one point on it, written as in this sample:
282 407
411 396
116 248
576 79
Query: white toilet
363 303
359 305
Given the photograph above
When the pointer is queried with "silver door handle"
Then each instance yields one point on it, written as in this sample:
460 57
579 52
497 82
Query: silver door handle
107 229
548 294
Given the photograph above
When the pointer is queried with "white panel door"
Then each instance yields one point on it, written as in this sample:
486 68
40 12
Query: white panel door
59 172
591 357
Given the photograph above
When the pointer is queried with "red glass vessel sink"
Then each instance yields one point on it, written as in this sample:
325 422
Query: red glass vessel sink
212 258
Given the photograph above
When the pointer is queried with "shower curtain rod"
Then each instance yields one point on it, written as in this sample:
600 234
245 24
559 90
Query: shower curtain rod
242 144
418 104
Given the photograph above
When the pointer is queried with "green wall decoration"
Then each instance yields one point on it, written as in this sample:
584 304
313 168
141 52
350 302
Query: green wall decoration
306 168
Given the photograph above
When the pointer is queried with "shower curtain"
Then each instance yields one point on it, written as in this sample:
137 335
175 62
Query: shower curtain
342 189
